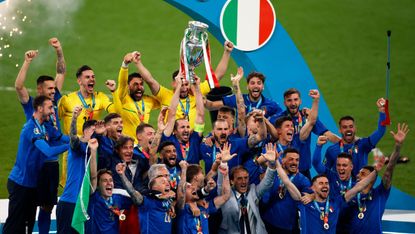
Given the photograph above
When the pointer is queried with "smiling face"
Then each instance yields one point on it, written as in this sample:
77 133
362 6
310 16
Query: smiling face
321 187
292 102
291 161
105 185
191 193
45 110
86 81
182 130
114 127
286 132
240 180
347 130
169 155
227 116
255 87
145 137
126 151
161 183
47 88
344 168
136 88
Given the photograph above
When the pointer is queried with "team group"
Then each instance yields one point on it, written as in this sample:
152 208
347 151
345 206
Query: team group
250 174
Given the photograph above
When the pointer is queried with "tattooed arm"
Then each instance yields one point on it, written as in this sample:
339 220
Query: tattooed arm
157 137
181 188
135 195
74 139
60 63
239 101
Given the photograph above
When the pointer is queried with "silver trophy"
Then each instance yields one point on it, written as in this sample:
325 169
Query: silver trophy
194 35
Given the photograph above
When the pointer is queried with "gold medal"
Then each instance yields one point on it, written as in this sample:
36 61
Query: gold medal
122 217
361 215
326 226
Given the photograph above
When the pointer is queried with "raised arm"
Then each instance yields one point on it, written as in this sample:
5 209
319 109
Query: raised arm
224 61
380 131
21 90
93 145
157 137
317 163
136 196
241 109
225 192
147 77
74 139
254 139
122 89
60 63
360 186
181 188
312 118
200 109
271 157
399 137
171 116
291 188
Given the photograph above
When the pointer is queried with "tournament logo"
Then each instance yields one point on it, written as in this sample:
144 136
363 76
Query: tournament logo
248 24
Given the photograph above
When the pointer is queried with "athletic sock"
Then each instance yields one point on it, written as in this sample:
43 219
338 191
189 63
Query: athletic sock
43 221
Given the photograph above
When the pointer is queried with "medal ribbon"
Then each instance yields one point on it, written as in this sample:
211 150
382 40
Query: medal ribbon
351 151
173 178
41 128
141 112
281 187
258 104
324 215
86 106
185 110
113 209
198 224
185 149
344 188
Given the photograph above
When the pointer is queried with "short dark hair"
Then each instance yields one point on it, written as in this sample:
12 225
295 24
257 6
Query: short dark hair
255 74
347 117
111 116
236 169
318 176
102 172
176 123
368 167
82 69
281 120
192 171
140 128
134 75
174 74
290 150
291 91
122 141
219 120
164 144
345 155
41 79
88 124
227 109
39 100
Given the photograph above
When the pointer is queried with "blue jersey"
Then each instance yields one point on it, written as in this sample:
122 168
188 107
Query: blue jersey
32 151
310 216
189 224
303 146
270 106
154 216
77 159
105 151
359 150
102 219
255 170
190 151
238 146
277 202
374 202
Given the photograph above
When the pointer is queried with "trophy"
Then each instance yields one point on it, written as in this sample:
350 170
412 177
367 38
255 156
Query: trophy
194 50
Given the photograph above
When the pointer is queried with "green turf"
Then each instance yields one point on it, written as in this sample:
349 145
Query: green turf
343 42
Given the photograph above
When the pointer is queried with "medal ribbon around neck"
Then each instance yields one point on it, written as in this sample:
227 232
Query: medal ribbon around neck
115 210
185 110
324 215
281 188
90 109
141 112
351 151
344 188
41 128
185 149
258 104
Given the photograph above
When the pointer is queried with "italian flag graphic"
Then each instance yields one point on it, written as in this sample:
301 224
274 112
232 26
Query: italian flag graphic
248 24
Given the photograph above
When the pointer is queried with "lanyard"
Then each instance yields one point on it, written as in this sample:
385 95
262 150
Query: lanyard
173 178
90 109
324 215
185 110
344 188
280 148
281 188
198 225
185 149
41 128
258 104
141 112
351 151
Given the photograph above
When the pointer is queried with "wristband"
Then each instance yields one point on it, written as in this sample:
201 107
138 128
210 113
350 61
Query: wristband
199 127
124 65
